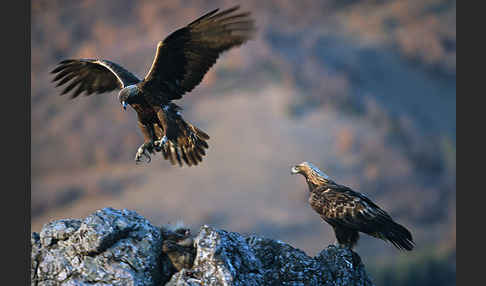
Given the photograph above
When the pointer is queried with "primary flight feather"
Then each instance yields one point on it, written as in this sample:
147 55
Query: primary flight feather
180 63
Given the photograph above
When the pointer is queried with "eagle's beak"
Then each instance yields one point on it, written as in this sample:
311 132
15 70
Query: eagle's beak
124 105
294 170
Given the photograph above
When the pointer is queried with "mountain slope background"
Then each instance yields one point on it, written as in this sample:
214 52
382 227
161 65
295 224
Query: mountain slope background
366 90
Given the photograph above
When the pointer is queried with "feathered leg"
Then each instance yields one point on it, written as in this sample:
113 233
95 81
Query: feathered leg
346 237
148 146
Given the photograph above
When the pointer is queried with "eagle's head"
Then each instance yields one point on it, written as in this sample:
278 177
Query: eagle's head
128 95
313 175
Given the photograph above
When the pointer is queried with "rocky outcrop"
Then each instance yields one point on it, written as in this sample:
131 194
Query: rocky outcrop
109 247
119 247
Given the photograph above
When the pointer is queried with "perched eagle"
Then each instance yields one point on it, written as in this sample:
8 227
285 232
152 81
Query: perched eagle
181 61
350 212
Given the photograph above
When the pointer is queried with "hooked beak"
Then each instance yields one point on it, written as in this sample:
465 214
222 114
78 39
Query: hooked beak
294 170
124 105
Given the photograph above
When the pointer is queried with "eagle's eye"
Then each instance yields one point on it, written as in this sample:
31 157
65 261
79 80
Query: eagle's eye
295 170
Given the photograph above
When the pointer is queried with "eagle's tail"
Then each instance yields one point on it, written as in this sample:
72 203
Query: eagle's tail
398 235
184 142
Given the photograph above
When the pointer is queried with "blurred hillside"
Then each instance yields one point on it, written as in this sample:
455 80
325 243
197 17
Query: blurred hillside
366 90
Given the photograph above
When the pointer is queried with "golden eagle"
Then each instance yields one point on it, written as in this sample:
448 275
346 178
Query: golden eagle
181 61
350 212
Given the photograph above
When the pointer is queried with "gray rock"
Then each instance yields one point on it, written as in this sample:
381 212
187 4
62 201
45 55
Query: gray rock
344 266
113 247
222 258
109 247
227 258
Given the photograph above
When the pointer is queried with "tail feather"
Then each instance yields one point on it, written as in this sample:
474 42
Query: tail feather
185 157
185 143
190 145
398 235
172 153
200 134
200 151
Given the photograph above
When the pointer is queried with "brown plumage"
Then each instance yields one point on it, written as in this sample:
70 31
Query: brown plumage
180 63
350 212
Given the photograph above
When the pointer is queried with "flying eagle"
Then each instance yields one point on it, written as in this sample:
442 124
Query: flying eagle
350 212
181 61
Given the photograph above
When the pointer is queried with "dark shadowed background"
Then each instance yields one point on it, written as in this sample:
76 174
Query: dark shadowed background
366 90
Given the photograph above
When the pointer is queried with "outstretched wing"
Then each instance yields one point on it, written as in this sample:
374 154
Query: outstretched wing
184 57
91 76
341 206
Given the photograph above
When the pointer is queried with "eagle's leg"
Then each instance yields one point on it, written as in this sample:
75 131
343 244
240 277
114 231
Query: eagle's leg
170 119
162 126
148 147
160 143
346 237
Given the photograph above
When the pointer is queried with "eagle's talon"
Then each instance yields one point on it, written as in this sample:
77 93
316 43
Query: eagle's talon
140 155
144 151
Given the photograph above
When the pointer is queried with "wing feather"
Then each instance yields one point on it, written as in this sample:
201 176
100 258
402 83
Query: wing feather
184 57
91 76
339 205
351 209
